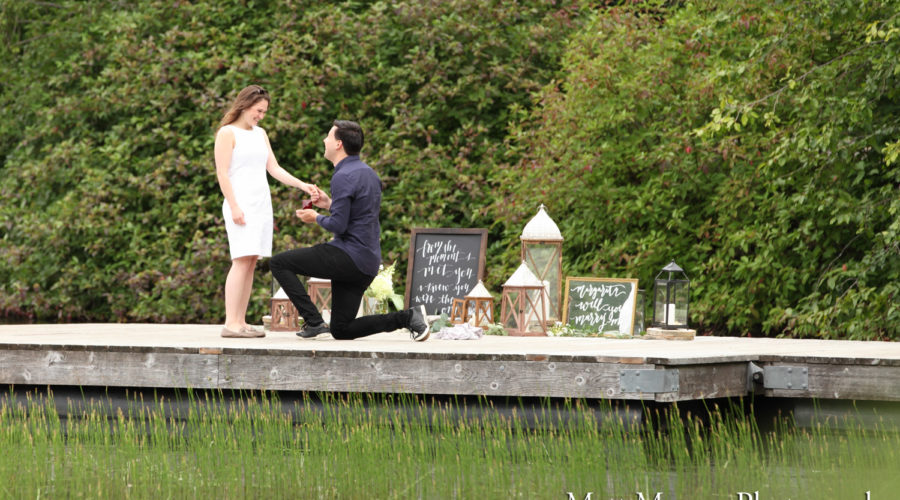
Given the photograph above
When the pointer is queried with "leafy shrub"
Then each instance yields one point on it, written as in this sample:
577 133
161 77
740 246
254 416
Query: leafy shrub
740 139
111 209
753 143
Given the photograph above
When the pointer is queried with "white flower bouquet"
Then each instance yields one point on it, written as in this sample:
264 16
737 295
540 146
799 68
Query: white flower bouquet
382 288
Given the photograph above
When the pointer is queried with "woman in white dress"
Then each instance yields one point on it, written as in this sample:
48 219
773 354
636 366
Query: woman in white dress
243 156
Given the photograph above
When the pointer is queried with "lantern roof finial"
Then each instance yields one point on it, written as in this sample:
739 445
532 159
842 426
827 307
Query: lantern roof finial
280 294
672 267
523 277
478 292
541 227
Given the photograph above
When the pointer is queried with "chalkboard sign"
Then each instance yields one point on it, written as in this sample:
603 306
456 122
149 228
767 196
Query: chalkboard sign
444 264
600 305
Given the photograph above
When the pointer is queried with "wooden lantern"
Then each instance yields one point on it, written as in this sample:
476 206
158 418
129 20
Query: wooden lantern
479 304
524 304
319 293
477 307
542 252
459 312
285 317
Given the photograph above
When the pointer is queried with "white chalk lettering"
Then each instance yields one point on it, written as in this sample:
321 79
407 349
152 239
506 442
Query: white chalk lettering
446 271
599 290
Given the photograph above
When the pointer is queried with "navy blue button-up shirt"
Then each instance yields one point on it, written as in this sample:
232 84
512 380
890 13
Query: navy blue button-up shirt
355 207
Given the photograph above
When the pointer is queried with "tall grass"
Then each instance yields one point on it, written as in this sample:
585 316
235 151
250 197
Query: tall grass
399 446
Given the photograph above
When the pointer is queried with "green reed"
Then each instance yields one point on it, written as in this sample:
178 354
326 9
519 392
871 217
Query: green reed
403 446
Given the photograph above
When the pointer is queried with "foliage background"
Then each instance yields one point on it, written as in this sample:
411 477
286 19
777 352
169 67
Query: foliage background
754 142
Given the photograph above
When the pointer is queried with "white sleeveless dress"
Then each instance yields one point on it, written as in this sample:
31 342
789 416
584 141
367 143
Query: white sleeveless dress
251 189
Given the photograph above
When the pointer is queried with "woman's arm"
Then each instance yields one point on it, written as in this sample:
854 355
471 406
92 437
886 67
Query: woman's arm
282 175
223 150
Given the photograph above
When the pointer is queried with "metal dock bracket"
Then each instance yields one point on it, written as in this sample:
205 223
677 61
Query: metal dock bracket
786 377
648 381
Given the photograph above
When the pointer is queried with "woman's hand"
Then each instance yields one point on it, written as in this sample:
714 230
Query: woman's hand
237 215
309 189
313 192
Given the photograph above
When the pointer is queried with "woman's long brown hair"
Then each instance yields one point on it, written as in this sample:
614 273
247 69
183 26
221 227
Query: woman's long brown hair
246 98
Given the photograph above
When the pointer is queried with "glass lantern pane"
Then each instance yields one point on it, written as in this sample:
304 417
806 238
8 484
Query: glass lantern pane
529 313
638 314
544 260
512 305
680 299
659 302
532 316
541 256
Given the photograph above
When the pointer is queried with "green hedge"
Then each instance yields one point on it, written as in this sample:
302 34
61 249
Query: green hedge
743 139
111 208
751 142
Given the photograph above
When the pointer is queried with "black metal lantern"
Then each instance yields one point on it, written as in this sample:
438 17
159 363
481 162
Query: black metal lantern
671 298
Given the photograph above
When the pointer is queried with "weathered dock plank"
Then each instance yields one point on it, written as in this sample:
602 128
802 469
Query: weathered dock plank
108 368
501 377
172 356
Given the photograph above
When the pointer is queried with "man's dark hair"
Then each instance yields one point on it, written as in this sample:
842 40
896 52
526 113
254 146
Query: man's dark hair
350 134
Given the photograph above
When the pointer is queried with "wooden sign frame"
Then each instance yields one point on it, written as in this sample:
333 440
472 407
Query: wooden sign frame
632 296
413 281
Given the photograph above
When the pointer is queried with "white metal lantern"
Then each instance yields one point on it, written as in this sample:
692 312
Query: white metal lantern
671 297
542 252
524 304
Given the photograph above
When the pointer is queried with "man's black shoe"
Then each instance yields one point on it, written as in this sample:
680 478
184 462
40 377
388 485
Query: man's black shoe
309 332
418 324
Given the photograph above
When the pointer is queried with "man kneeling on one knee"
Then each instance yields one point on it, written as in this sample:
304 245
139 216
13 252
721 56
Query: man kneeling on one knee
352 258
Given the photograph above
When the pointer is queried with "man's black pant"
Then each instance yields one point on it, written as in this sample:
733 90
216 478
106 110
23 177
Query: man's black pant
347 287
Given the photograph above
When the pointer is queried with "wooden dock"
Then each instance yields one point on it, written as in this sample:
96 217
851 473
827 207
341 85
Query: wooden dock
182 356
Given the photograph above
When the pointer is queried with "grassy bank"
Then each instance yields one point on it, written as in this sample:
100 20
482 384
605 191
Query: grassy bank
407 447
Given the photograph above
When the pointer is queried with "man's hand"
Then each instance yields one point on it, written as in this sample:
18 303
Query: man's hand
323 200
307 216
